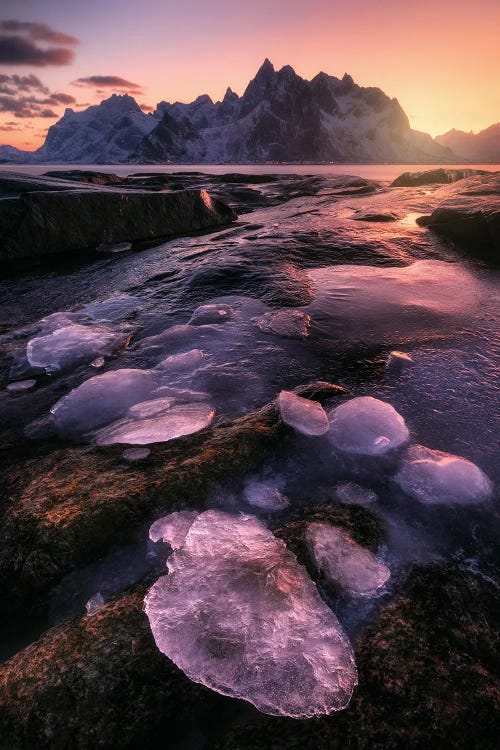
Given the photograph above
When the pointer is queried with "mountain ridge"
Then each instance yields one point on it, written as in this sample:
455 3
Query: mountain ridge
480 147
280 117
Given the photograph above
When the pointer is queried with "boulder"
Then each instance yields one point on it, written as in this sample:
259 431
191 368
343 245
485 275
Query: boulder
473 222
48 223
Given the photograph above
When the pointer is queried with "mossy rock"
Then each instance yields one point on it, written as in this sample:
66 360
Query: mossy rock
97 682
426 678
66 510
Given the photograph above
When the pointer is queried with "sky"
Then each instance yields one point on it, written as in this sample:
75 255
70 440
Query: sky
439 58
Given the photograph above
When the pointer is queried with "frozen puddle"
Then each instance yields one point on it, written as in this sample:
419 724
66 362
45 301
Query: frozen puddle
173 528
71 345
305 416
344 562
385 305
102 399
253 625
434 477
366 426
265 496
170 424
211 313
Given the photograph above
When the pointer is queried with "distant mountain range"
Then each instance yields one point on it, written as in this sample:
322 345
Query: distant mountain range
280 117
483 147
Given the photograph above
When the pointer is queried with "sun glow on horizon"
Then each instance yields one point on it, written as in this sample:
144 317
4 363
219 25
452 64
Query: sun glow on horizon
439 59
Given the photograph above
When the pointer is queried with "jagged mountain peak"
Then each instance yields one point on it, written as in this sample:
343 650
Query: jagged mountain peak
266 68
230 95
120 103
280 116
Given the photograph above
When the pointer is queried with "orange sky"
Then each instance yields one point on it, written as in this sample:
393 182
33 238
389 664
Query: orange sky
440 59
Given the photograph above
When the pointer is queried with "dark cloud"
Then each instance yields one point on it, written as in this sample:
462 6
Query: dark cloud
27 96
15 50
9 128
15 84
38 31
24 106
19 44
59 98
112 82
146 108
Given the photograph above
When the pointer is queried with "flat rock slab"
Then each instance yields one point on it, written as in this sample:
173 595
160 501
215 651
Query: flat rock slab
51 222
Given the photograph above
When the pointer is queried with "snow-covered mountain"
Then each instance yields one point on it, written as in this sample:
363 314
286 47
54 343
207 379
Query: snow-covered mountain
12 154
280 117
482 147
104 133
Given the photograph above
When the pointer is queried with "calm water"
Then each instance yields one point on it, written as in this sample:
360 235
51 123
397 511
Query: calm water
382 172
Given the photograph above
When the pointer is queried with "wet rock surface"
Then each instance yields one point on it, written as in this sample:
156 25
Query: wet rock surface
96 682
75 516
425 680
40 224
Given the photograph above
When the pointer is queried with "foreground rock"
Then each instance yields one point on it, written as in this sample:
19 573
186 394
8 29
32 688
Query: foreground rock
253 626
96 682
69 508
426 678
48 223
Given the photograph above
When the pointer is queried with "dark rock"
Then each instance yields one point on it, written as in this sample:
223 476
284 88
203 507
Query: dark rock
426 678
98 682
471 216
13 184
433 177
382 217
82 175
69 508
48 223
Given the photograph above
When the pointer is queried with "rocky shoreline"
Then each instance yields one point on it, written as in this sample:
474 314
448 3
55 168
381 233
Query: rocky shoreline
424 646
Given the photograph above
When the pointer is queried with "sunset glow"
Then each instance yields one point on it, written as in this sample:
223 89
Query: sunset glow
440 59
